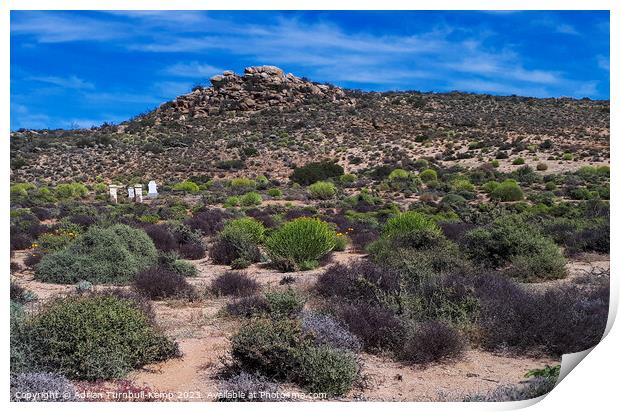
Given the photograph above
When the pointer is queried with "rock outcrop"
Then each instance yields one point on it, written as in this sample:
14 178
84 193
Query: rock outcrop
260 87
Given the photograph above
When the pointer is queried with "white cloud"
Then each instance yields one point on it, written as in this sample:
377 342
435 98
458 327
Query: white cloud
566 29
603 62
56 27
192 69
71 82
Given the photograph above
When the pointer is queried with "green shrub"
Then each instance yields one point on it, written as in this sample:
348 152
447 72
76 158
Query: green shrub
490 186
510 241
55 241
19 191
277 349
110 255
186 186
342 241
603 171
411 229
326 370
249 225
154 218
462 184
100 188
242 184
238 240
547 263
183 268
251 199
274 192
567 156
399 174
93 337
262 182
240 263
232 201
322 190
507 191
348 178
285 303
71 191
300 243
518 161
266 347
495 163
314 172
428 175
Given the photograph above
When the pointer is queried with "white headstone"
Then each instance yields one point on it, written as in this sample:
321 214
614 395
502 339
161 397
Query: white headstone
131 192
152 189
113 193
138 189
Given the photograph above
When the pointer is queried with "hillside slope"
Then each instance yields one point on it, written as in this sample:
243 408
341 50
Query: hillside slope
267 122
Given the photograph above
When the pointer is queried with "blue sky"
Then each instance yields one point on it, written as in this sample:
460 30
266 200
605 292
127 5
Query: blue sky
84 68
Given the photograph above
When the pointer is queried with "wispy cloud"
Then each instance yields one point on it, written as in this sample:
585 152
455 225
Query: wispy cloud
192 70
50 27
71 82
603 62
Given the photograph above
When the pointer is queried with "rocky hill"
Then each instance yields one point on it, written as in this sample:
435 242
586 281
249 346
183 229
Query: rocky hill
267 122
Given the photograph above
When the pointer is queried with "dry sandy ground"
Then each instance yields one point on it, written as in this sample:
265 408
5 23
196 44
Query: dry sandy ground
203 333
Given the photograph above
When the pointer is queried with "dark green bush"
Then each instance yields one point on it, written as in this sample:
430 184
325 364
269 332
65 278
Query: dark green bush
111 255
277 349
93 337
300 243
511 241
238 240
266 347
314 172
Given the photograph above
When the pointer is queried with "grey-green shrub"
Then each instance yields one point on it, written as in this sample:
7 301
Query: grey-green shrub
300 243
42 387
93 337
326 370
285 303
101 255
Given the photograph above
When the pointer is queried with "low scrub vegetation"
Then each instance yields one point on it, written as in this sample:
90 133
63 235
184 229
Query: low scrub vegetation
90 337
101 255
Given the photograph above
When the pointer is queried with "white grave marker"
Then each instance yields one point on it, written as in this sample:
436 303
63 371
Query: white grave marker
131 192
152 189
114 193
138 189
